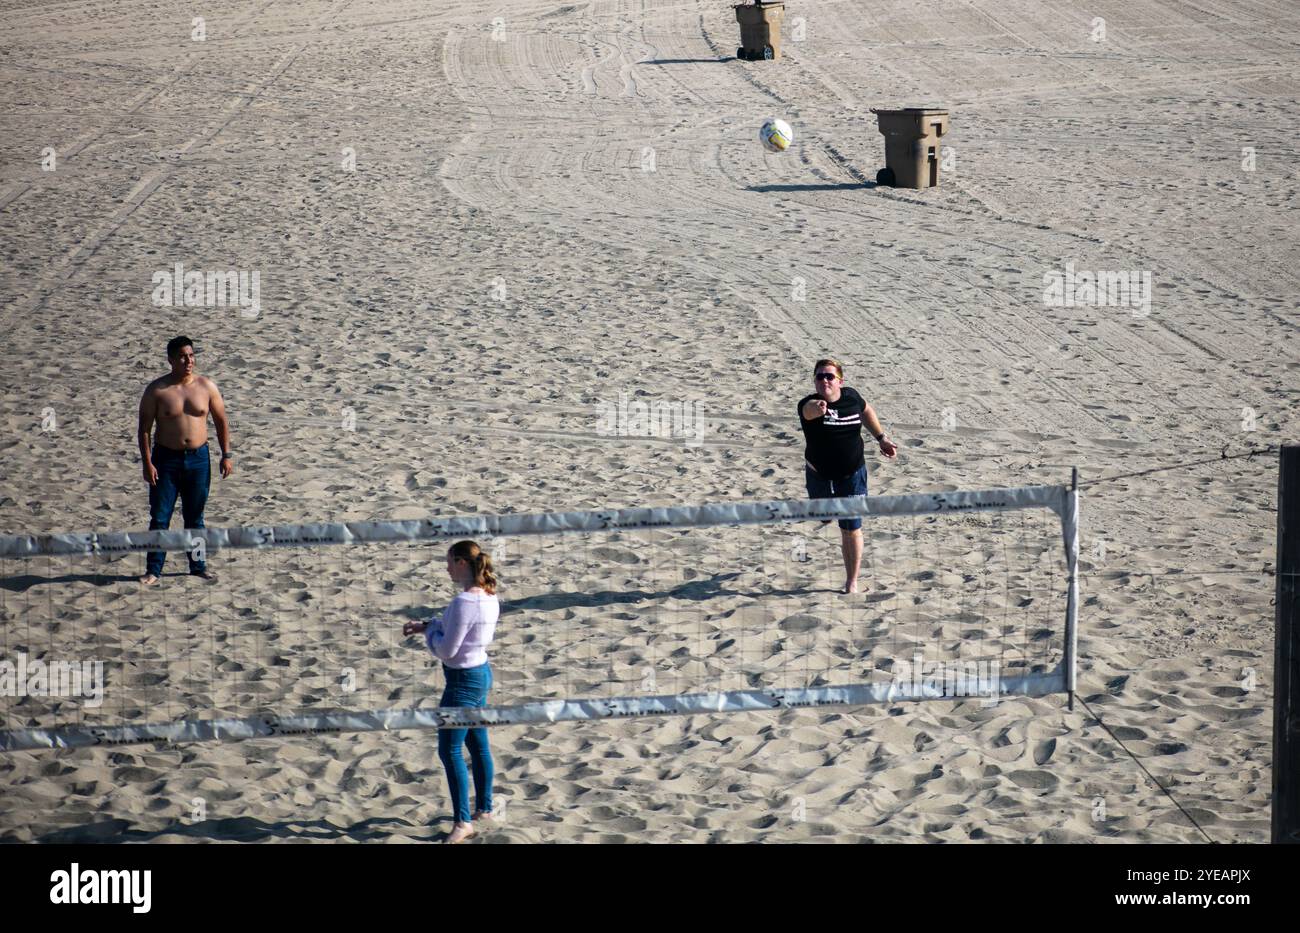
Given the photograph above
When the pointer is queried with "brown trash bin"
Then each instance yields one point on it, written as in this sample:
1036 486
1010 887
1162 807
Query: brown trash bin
760 30
911 146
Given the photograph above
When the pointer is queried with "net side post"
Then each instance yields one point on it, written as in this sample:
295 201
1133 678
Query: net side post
1072 598
1286 654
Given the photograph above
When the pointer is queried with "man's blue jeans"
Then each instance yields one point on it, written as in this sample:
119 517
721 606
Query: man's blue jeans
467 687
187 473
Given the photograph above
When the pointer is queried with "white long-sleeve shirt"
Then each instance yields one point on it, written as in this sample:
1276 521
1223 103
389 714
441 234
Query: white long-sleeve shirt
460 636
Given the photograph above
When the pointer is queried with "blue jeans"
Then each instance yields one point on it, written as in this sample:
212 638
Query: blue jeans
467 687
855 484
187 473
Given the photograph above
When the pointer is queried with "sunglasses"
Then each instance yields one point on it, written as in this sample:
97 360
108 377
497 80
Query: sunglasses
827 376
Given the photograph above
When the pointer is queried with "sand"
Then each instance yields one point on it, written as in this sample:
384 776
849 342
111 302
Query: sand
499 262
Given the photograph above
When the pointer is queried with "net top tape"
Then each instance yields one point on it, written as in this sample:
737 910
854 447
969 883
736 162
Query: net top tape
544 711
1056 498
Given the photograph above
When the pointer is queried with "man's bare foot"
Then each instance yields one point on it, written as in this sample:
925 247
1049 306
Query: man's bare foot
149 580
207 575
459 833
850 587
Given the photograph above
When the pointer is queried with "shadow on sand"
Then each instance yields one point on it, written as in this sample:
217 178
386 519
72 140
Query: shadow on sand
28 580
846 186
711 588
240 829
687 61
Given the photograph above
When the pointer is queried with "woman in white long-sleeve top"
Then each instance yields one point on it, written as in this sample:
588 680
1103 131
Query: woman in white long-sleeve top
459 639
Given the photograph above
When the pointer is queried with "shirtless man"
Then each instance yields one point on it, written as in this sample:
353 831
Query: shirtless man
832 418
178 462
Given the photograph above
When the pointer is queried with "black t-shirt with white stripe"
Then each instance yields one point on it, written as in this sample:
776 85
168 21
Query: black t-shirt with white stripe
834 441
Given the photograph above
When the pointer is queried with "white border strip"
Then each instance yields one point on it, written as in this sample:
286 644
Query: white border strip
473 526
392 720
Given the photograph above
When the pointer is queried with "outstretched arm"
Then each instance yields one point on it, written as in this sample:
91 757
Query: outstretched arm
813 409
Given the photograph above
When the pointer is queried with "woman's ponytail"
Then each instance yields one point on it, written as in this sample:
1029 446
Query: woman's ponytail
483 573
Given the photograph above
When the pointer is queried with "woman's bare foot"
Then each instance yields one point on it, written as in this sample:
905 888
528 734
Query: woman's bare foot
148 580
484 816
850 587
459 833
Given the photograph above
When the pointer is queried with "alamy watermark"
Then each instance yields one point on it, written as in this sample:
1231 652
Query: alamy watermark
24 677
934 679
1102 289
103 886
636 418
214 289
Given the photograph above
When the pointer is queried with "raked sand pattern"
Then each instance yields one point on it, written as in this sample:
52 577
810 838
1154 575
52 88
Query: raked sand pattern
500 263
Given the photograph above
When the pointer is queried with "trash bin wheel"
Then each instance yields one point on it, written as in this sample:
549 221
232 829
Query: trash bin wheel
767 53
740 54
885 177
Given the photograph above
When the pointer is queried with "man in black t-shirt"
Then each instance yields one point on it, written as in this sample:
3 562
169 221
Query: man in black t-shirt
834 457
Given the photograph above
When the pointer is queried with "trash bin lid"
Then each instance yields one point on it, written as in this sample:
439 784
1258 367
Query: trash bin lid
911 110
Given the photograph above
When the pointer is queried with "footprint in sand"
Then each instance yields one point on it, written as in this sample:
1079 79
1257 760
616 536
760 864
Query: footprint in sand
1034 780
1128 733
1044 751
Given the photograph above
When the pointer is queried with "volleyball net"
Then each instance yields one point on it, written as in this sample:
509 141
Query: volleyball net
710 609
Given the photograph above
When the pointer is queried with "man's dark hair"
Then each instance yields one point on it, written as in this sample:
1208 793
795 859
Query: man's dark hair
174 345
829 362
